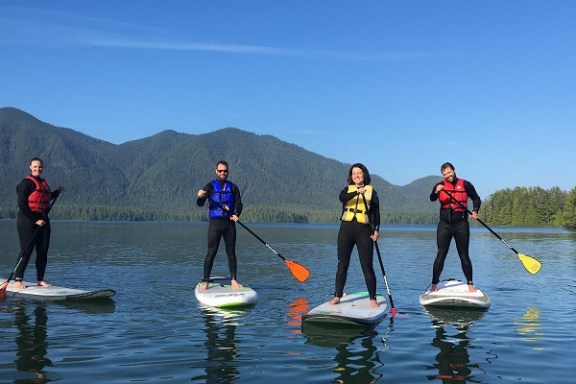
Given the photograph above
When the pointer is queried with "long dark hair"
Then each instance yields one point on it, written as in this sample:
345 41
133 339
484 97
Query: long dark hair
367 178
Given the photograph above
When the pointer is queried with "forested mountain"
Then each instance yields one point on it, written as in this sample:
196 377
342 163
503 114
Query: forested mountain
156 178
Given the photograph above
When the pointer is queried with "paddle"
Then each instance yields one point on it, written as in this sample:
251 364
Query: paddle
299 272
530 263
30 243
393 310
385 279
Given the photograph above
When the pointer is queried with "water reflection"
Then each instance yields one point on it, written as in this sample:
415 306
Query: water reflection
296 309
529 326
96 306
453 360
220 329
31 341
357 360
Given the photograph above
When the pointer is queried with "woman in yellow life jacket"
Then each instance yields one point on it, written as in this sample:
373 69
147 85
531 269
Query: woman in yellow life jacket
359 227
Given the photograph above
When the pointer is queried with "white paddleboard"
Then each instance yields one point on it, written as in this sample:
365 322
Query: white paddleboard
353 309
55 293
225 296
454 293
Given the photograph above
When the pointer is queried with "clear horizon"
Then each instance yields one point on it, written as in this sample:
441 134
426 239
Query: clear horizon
399 86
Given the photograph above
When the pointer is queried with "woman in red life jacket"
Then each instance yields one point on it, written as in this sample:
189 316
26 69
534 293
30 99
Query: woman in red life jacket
453 194
33 224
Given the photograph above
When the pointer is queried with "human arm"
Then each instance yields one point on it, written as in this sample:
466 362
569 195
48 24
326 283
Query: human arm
375 215
238 206
203 194
55 193
473 195
436 191
23 191
345 195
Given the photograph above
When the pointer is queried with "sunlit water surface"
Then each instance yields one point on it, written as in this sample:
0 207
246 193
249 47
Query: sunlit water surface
154 330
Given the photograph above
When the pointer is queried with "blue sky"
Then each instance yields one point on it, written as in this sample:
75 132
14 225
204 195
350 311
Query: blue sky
401 86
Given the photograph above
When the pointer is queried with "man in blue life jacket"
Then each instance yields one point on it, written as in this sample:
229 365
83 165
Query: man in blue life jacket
225 207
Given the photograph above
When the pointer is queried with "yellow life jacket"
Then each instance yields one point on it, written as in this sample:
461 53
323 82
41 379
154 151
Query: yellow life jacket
355 207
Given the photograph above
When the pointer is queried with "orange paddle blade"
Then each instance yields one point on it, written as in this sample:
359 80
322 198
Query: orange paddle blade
300 272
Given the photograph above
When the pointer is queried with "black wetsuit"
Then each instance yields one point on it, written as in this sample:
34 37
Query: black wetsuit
454 224
31 236
221 227
353 233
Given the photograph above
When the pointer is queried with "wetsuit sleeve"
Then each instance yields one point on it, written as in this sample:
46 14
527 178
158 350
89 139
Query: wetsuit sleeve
433 194
209 188
375 211
54 194
23 191
237 200
345 195
473 195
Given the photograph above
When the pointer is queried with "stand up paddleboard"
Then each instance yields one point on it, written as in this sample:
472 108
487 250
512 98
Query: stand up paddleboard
225 296
55 293
454 293
353 309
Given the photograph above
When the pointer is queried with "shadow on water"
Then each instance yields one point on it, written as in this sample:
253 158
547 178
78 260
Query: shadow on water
453 359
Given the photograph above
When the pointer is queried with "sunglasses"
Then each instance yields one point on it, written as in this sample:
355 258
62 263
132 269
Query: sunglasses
222 170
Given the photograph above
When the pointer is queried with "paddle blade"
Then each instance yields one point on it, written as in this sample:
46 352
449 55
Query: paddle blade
300 272
3 290
531 264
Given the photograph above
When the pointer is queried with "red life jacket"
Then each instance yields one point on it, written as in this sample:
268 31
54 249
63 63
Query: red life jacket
39 200
458 192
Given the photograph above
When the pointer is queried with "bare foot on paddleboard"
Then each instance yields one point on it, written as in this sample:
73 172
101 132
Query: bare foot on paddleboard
235 284
433 288
373 304
18 285
44 284
335 300
471 288
203 286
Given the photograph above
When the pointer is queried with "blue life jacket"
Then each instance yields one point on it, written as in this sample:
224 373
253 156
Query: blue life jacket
225 198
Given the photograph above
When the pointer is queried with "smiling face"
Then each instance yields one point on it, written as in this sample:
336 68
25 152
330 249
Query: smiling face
448 174
358 176
36 167
221 172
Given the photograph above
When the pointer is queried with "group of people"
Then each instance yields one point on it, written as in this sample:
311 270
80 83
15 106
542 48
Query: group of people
359 227
360 223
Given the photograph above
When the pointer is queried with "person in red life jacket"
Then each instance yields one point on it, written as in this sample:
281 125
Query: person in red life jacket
225 207
33 224
359 226
453 194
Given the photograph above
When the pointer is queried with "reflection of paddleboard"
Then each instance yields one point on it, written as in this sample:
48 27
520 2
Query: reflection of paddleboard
225 296
353 309
332 336
54 293
460 318
454 293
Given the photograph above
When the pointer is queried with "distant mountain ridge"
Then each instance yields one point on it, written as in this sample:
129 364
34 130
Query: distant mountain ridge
157 177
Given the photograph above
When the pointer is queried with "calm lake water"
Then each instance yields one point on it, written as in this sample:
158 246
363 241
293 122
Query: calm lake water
154 331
